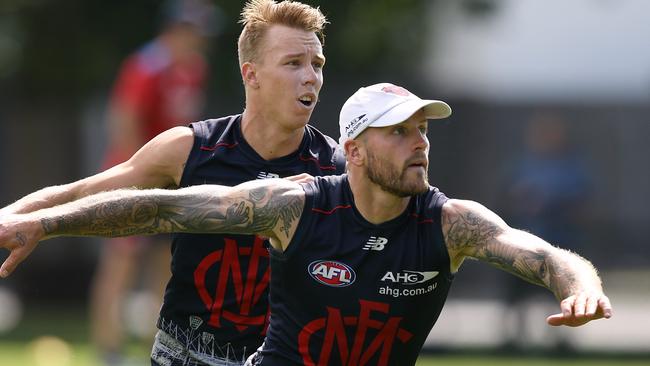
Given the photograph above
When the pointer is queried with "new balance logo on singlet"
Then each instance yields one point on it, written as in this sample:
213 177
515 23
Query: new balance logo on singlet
265 175
375 243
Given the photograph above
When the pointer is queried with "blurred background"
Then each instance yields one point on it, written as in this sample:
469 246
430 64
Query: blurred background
550 129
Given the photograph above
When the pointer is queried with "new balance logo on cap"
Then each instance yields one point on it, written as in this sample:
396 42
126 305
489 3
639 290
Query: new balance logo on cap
375 243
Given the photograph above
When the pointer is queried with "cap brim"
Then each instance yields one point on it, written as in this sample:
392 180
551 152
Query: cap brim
433 109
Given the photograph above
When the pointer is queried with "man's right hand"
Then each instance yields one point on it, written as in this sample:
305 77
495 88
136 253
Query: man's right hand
19 235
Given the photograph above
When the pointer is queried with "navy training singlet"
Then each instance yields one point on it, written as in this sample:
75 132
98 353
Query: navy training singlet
216 301
349 292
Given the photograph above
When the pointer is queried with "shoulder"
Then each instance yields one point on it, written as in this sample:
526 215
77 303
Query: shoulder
429 204
468 223
320 138
465 212
325 150
329 181
215 126
327 191
173 136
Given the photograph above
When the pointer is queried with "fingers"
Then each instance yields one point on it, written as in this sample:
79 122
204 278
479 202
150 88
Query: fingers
605 306
581 309
10 264
19 249
556 320
567 306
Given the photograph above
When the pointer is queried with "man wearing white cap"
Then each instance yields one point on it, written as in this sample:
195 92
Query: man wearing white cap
361 262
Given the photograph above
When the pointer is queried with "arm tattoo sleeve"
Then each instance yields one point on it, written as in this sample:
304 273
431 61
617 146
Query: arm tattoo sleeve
511 250
198 209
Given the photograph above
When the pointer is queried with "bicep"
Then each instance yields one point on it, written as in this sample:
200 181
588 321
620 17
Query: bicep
469 228
473 231
158 164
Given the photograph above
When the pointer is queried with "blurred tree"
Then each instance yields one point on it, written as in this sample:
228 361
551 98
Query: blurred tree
72 47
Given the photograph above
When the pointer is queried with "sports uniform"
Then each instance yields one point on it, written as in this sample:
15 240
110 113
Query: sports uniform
348 292
216 302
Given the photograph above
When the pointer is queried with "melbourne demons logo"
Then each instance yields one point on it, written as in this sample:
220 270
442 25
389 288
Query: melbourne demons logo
398 90
248 290
360 340
332 273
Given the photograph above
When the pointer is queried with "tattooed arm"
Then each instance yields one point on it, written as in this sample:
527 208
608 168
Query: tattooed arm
473 231
270 207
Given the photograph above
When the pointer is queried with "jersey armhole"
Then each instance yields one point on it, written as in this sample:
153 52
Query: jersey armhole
439 199
306 219
200 134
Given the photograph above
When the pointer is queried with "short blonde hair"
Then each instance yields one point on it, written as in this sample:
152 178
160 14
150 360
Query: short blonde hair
258 15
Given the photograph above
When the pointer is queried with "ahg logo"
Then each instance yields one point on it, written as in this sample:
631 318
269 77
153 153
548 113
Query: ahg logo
332 273
409 277
354 124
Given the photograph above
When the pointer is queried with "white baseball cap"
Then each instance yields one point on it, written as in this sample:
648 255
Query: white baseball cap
382 105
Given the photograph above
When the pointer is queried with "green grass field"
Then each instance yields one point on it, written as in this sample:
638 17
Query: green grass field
67 345
51 351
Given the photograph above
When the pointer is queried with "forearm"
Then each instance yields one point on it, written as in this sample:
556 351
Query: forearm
44 198
137 212
562 272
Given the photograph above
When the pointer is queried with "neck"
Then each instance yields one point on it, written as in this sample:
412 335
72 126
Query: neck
269 138
374 204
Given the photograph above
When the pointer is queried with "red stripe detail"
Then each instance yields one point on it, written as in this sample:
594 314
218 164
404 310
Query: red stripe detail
228 146
312 159
243 319
330 211
423 221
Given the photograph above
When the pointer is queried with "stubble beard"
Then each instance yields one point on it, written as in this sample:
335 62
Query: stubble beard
388 177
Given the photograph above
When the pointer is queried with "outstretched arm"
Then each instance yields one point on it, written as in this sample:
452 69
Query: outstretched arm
269 207
473 231
158 164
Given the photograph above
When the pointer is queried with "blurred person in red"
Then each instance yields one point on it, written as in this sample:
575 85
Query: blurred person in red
159 86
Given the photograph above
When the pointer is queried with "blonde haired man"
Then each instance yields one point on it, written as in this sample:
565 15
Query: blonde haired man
362 262
215 309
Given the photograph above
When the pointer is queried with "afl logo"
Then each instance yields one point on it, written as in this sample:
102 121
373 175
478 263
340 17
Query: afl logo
332 273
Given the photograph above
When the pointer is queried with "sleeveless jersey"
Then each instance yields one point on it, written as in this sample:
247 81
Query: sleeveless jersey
349 292
216 301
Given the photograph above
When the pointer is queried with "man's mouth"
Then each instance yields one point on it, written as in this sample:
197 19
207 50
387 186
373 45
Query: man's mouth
417 163
307 100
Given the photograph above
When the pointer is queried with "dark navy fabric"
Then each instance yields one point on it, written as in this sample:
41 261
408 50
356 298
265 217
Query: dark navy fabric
216 301
349 292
